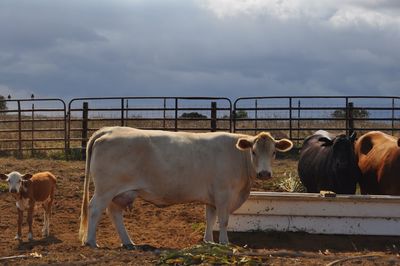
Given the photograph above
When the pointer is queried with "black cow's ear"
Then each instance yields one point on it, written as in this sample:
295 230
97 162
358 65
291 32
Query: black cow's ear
26 176
353 136
3 177
326 141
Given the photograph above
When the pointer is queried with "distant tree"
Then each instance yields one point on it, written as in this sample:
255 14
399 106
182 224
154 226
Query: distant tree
193 115
3 103
241 114
357 113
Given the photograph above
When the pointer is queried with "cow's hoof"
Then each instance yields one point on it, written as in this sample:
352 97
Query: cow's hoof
91 245
128 246
30 236
18 237
145 247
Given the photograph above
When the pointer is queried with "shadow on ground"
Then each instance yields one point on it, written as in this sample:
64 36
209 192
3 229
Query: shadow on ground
47 241
314 243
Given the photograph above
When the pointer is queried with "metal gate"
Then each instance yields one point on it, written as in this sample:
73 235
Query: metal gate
299 116
32 126
198 114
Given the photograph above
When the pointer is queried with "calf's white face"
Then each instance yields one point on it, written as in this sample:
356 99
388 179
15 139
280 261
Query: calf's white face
14 180
263 148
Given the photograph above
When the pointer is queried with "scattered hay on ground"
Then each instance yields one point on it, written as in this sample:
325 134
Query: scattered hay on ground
210 253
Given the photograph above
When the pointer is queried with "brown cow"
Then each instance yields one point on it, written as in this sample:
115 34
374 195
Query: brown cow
379 161
29 189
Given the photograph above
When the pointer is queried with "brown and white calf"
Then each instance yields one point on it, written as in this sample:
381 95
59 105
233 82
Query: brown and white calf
29 189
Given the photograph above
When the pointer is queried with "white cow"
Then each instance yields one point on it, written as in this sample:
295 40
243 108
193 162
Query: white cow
167 168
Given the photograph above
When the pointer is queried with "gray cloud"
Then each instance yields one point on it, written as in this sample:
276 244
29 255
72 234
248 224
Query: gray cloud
179 48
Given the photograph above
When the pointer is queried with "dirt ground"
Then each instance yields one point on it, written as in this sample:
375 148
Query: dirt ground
174 227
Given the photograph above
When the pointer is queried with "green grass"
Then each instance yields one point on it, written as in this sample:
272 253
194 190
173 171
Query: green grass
3 187
210 254
199 227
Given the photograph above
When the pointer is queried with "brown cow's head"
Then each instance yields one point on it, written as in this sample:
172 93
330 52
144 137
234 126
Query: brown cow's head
262 149
15 180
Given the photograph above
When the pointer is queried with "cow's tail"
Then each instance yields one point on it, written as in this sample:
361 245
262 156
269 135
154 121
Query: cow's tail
85 200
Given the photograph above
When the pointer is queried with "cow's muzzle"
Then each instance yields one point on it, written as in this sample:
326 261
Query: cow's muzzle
13 190
264 175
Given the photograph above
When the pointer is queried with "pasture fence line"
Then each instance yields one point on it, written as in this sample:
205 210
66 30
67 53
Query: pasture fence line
297 117
37 127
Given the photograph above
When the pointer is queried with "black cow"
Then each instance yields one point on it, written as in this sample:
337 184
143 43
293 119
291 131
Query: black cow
328 162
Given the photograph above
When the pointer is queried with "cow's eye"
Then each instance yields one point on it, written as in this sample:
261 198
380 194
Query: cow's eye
253 152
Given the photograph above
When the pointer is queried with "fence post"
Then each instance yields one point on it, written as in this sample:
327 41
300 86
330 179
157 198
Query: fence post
213 116
126 112
165 106
393 116
85 111
176 114
122 112
33 129
256 116
350 121
290 118
19 155
298 122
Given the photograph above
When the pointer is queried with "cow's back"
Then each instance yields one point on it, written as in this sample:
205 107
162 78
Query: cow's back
311 164
327 162
379 161
166 167
42 185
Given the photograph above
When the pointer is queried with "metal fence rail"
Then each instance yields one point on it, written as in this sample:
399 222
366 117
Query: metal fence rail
199 114
32 126
299 116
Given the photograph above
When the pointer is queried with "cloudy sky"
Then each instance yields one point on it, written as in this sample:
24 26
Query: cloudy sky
227 48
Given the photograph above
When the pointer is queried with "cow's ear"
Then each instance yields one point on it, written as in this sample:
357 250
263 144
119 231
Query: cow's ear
244 144
3 176
283 145
26 176
326 141
353 136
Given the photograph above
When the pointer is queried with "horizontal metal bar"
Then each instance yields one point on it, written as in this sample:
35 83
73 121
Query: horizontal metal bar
151 109
32 130
30 140
286 108
30 149
32 110
34 120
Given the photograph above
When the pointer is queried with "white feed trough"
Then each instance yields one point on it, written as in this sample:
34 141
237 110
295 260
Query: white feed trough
313 213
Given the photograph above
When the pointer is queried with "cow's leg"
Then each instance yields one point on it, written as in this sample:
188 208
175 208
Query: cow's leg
96 207
223 217
115 213
49 206
30 219
46 221
211 216
20 217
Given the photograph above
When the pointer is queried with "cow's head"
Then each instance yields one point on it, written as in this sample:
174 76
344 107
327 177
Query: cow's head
342 148
262 149
15 180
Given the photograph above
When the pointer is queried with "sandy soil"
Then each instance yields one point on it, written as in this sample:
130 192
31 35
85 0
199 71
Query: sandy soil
173 227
